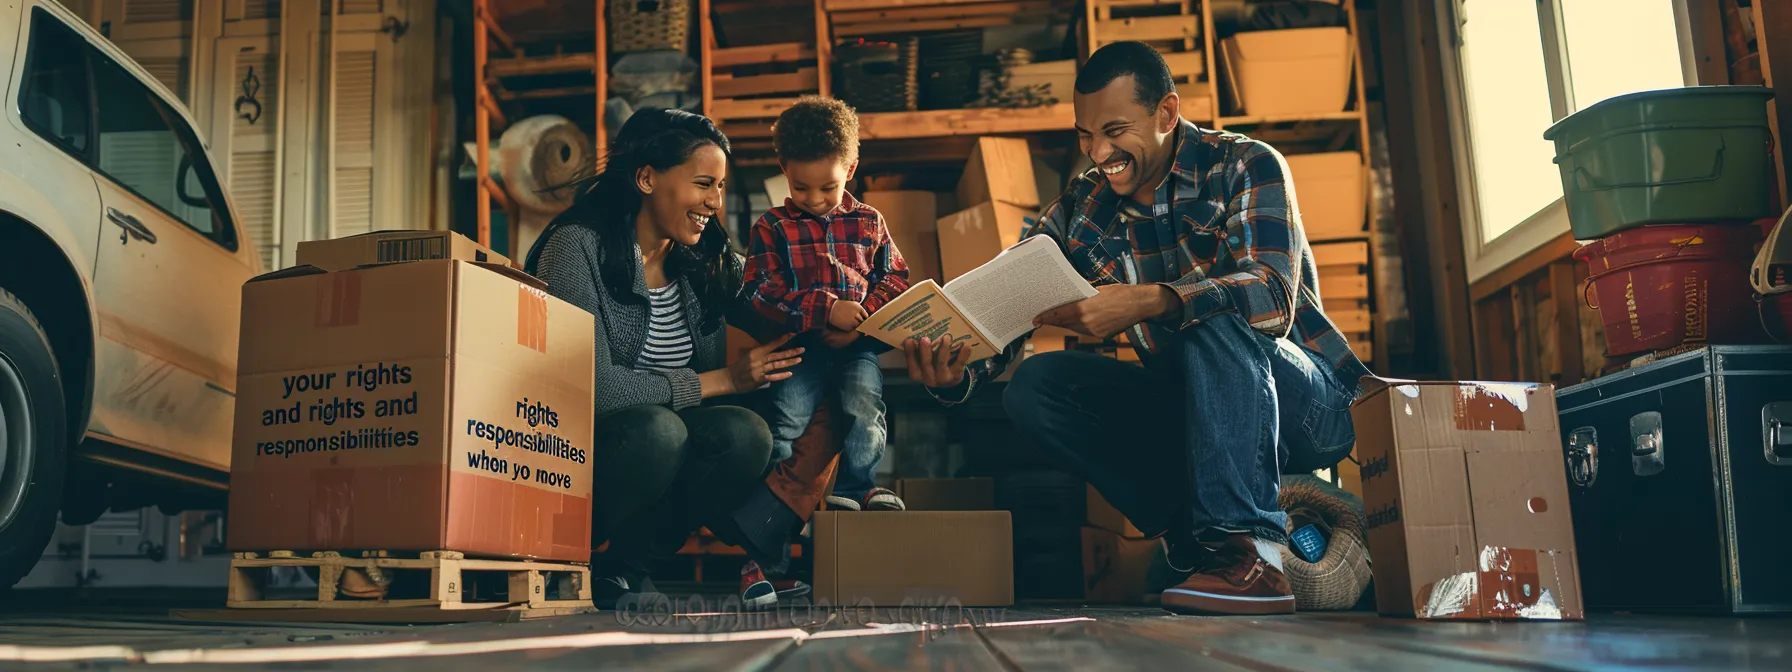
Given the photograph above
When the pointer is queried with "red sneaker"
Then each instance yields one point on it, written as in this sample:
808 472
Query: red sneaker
1239 581
755 591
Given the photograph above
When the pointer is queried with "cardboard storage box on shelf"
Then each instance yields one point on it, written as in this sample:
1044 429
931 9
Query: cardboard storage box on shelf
1099 513
970 238
1117 570
928 558
1467 501
1289 72
1194 103
1058 76
947 494
1331 193
392 246
1000 170
429 405
912 218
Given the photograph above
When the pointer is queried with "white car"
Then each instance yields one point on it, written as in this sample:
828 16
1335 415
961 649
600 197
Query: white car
121 271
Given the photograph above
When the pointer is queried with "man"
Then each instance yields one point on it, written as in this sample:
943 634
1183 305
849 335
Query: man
1194 240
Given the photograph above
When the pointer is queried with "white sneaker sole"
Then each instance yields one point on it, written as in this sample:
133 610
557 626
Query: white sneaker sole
1181 600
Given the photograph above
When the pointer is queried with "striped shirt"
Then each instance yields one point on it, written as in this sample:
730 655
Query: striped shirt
668 336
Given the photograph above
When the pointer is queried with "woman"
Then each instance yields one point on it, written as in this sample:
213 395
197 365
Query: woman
641 251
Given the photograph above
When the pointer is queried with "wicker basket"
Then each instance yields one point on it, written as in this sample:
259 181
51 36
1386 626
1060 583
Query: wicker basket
879 76
649 25
949 69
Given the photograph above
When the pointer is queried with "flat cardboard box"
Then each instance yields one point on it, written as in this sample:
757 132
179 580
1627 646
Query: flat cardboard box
1467 501
947 494
1289 72
393 246
1117 570
1058 76
430 405
914 558
970 238
912 218
1331 193
1000 171
1103 515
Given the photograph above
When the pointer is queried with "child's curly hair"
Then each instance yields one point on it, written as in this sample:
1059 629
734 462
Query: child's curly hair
815 128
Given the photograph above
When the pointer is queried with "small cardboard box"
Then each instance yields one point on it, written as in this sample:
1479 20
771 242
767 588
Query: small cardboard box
947 494
1000 171
970 238
390 247
1467 501
932 558
1331 193
1289 72
431 405
912 218
1117 570
1103 515
1058 76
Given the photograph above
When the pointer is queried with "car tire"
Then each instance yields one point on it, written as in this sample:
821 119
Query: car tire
33 440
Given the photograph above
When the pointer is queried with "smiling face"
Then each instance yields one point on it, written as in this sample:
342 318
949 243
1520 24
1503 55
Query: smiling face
818 186
1130 142
683 200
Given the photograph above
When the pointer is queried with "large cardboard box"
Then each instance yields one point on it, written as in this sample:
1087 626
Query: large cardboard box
947 494
930 558
1289 72
1331 193
1467 501
970 238
394 246
912 217
431 405
1117 570
1100 514
1000 171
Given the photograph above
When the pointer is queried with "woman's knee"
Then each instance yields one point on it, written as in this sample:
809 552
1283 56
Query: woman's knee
730 431
643 438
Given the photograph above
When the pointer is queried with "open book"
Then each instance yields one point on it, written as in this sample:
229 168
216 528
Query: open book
986 308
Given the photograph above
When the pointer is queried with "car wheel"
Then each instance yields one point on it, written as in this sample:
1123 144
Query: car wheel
32 440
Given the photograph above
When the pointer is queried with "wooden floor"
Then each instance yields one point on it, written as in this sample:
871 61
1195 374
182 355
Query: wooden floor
125 628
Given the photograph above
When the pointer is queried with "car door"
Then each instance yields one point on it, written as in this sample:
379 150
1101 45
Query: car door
167 281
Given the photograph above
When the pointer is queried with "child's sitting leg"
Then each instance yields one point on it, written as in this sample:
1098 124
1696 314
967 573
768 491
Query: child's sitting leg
860 384
793 400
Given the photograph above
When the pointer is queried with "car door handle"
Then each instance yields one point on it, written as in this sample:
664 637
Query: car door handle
132 227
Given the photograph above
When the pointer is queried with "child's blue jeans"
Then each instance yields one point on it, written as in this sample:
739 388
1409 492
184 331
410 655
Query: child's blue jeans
853 373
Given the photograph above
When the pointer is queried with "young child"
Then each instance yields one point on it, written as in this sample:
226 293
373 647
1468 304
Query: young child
819 265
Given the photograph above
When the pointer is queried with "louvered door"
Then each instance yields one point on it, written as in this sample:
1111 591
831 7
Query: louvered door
362 110
244 135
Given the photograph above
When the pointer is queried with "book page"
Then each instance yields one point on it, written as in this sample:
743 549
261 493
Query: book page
1002 297
924 311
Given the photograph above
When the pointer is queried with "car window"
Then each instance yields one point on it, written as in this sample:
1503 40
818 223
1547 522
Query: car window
53 100
146 147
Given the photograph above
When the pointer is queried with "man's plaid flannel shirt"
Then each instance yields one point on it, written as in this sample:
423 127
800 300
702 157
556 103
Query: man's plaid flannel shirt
798 264
1223 233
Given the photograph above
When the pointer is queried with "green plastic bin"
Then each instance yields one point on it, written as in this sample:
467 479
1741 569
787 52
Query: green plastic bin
1674 156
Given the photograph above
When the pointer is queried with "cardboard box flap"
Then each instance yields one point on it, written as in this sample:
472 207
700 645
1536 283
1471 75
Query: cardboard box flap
513 273
290 272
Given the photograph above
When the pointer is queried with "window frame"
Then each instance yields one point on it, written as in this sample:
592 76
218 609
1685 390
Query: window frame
85 156
1482 258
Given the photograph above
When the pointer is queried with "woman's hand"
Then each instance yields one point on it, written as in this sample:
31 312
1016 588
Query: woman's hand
935 363
764 364
837 339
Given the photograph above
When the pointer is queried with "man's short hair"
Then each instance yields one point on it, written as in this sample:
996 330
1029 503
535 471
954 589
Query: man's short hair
1150 74
815 128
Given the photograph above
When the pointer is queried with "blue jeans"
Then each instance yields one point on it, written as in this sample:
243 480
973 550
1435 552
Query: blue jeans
853 372
1196 441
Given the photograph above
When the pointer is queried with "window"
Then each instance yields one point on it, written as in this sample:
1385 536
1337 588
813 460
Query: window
1516 68
54 100
147 148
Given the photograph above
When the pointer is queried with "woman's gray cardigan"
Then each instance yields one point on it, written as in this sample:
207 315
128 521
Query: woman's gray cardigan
568 262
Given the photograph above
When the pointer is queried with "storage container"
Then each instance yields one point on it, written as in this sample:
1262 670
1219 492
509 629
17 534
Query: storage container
1680 479
877 76
649 25
1330 191
1687 155
1289 72
1658 287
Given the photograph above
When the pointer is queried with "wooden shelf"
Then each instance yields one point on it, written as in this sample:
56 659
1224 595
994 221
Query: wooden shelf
983 121
1351 115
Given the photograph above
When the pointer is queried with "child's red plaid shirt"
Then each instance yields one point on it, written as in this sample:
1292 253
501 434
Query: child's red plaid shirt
798 264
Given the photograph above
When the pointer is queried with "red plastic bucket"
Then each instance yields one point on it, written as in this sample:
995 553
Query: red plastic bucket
1658 287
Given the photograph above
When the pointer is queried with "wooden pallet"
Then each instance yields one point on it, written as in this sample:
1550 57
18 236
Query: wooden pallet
525 585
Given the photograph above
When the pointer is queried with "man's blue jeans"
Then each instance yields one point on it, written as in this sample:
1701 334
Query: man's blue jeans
1198 440
851 372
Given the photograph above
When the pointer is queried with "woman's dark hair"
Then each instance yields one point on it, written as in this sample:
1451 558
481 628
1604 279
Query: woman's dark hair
609 201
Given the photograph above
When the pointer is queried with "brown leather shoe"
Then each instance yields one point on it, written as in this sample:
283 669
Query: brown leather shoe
1238 582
